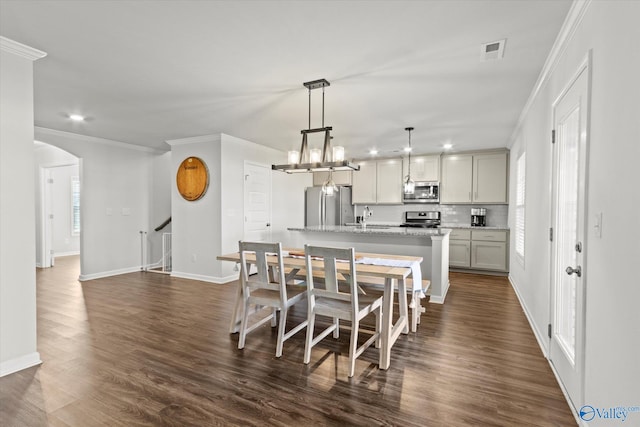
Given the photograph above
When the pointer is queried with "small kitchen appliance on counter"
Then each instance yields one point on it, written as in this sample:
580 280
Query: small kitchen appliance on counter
478 217
422 219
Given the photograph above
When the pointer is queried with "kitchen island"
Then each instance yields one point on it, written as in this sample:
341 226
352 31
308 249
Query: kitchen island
430 243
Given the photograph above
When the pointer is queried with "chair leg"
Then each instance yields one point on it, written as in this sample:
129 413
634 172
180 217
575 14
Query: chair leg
243 324
378 314
274 311
353 346
309 340
283 321
415 313
336 331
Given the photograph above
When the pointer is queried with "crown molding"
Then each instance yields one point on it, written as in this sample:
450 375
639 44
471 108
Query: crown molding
20 49
568 29
91 139
194 140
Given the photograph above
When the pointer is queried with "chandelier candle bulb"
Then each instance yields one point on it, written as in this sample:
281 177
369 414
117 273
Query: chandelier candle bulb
315 155
294 157
338 153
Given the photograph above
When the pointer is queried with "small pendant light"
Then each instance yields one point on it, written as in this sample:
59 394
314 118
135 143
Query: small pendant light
408 183
329 188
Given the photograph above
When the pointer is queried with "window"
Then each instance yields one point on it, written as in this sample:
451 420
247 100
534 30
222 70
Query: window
75 205
520 206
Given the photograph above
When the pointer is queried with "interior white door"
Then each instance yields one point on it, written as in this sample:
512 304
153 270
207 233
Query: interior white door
566 349
257 202
48 259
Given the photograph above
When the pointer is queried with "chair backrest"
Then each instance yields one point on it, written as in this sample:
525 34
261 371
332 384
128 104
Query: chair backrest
264 278
331 256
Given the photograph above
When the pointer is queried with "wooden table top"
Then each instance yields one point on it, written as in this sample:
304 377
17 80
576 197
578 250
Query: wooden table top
387 272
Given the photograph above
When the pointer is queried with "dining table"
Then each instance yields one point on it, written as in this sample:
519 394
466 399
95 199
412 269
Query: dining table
394 277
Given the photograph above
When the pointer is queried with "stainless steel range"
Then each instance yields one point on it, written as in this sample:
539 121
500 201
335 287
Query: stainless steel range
421 219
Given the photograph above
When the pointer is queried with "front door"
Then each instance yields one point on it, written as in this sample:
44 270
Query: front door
568 270
257 202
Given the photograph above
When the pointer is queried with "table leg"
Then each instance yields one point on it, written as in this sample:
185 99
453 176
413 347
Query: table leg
402 299
236 317
387 317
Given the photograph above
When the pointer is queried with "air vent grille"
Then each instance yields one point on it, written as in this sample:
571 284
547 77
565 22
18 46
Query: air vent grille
492 50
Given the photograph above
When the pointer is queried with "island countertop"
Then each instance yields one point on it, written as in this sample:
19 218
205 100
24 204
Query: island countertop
376 229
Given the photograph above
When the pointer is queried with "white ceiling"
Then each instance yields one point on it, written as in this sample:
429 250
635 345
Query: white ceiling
144 72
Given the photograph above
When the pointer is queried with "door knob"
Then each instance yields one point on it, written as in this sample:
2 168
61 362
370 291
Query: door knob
268 224
577 271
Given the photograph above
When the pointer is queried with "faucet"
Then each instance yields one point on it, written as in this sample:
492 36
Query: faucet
365 213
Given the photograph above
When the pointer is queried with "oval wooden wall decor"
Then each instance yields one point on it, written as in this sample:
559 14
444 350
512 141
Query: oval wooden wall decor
192 178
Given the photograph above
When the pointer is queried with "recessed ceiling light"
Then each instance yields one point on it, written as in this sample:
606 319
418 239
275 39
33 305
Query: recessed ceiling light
373 152
447 146
76 117
407 149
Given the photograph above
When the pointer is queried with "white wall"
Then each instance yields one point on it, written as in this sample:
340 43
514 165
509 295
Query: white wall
212 225
115 200
17 215
196 224
610 30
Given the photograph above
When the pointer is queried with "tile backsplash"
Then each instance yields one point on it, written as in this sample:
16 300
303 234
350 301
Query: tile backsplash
497 215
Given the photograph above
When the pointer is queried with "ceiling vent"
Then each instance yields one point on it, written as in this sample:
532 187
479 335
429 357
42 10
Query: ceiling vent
492 50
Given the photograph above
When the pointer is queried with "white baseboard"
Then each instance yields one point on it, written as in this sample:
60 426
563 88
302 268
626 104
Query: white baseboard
19 363
102 274
439 299
540 337
38 265
203 278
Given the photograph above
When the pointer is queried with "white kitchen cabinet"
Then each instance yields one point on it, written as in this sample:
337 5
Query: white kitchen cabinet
423 168
474 178
490 178
478 249
389 181
457 175
339 177
364 189
378 182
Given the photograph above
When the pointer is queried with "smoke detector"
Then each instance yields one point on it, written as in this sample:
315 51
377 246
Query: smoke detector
492 50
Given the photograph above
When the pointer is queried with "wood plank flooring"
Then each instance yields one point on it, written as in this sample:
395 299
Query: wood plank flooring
147 349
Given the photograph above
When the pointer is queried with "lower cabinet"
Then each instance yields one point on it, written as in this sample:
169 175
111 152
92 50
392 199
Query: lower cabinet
479 249
460 248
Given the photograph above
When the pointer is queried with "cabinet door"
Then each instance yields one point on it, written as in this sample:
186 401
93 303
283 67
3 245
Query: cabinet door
389 181
339 177
490 178
489 255
459 253
423 168
364 184
457 176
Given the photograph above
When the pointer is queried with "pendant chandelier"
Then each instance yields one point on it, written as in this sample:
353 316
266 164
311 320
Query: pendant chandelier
316 160
408 184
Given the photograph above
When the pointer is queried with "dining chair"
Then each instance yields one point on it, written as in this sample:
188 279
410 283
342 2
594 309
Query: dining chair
267 289
342 303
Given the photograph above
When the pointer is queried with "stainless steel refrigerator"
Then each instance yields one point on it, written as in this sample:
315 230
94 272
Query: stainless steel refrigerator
328 210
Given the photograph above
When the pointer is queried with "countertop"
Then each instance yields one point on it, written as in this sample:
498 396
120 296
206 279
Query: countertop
377 229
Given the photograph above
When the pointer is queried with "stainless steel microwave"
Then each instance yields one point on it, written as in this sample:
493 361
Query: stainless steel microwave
425 192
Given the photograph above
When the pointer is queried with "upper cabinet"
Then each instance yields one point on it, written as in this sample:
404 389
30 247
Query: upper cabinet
474 178
423 168
378 182
339 177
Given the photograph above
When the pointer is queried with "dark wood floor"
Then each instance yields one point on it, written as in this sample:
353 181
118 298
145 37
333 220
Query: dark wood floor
148 349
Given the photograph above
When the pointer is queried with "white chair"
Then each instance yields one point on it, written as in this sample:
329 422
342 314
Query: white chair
337 304
265 290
